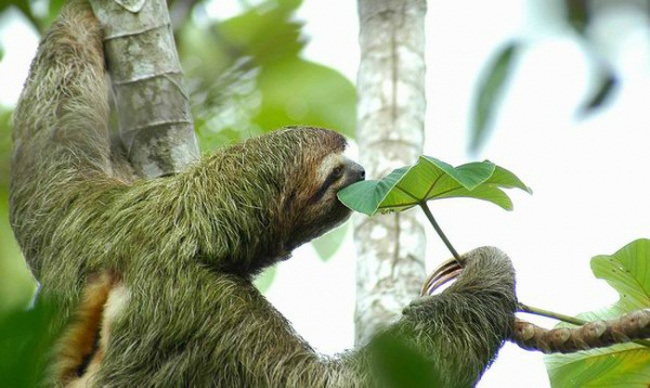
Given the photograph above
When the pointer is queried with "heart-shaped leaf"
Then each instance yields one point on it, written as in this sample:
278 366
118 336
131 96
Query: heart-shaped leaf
621 365
430 179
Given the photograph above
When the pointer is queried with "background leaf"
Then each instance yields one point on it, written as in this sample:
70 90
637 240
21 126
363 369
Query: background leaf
578 14
399 365
293 92
247 77
327 244
489 90
24 342
264 280
14 293
607 84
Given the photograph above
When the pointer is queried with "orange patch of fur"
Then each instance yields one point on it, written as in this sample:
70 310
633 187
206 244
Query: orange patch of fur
81 340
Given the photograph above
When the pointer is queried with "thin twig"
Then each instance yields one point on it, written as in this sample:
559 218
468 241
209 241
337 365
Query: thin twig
435 225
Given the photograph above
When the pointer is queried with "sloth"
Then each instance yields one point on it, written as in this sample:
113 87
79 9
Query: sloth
154 276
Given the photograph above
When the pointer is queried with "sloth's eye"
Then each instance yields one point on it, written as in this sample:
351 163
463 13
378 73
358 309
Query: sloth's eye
337 172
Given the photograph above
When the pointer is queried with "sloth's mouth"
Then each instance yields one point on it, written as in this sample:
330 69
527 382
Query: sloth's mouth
357 174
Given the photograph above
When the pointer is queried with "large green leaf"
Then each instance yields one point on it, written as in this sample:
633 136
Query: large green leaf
431 179
628 365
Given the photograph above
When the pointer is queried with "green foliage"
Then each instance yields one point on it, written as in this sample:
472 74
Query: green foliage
5 146
607 81
248 78
489 90
16 283
264 280
620 365
39 17
396 364
578 14
23 345
327 244
431 179
265 32
296 91
498 71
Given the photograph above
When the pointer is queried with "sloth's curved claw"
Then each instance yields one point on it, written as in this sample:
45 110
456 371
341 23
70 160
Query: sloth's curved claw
447 271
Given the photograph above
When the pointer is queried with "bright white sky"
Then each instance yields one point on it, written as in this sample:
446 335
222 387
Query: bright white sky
589 176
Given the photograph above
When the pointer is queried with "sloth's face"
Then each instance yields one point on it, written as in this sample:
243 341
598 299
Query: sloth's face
320 210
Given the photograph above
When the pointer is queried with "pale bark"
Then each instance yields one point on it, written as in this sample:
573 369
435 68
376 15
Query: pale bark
153 108
391 107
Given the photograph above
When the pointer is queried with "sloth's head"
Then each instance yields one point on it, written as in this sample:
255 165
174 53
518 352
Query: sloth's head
279 191
302 169
310 201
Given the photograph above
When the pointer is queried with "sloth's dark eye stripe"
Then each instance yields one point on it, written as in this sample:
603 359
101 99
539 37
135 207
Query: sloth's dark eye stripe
331 178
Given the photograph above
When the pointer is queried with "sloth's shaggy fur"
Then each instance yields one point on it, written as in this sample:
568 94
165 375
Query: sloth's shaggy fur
154 276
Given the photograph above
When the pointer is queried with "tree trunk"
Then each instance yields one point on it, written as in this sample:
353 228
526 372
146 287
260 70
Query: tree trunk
152 105
391 107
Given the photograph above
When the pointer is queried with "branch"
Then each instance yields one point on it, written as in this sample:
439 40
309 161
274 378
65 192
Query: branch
633 326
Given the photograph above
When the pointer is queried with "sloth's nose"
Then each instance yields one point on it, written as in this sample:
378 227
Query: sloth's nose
362 174
358 171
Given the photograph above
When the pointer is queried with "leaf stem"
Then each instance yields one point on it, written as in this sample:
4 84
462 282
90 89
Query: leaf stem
435 225
550 314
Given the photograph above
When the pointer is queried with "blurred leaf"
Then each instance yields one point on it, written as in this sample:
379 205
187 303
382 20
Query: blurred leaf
266 32
607 83
398 365
53 11
264 280
431 179
5 145
24 343
327 244
22 5
247 78
489 92
628 365
4 4
578 14
16 282
297 92
40 20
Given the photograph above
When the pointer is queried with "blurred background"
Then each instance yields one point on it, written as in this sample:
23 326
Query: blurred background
554 90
